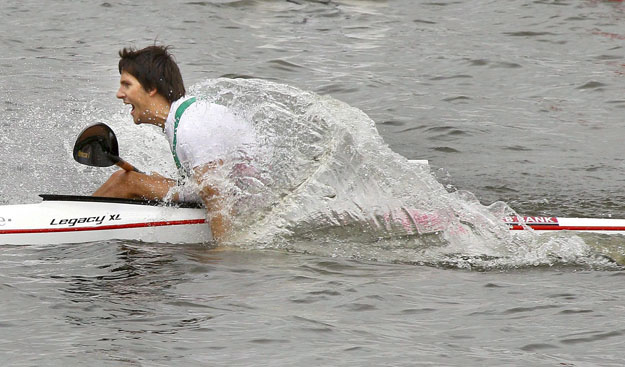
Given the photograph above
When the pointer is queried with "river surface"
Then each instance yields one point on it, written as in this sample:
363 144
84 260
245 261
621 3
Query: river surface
515 101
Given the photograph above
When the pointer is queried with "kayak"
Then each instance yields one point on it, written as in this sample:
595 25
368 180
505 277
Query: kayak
77 219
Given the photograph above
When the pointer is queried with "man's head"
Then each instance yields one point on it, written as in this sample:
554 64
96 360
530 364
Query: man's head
150 81
154 68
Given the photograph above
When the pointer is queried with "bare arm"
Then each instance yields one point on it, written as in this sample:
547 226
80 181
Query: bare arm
212 199
135 185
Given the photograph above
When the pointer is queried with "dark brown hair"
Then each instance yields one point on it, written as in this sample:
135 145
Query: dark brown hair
154 67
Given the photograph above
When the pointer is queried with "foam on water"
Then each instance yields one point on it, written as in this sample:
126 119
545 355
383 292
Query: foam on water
329 185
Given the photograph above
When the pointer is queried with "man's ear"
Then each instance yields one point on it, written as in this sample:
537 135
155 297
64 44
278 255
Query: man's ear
153 92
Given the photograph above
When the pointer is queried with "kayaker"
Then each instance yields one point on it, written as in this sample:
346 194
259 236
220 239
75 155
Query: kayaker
203 136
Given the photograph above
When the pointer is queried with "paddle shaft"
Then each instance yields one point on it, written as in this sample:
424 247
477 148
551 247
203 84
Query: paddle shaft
123 164
127 166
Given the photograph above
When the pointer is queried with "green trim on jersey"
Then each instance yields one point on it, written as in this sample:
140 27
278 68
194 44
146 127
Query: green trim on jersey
179 113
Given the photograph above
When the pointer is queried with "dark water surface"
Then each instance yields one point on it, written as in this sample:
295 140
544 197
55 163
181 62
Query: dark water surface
520 101
138 304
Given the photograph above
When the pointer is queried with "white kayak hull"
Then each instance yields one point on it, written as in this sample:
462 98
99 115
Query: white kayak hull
77 219
553 224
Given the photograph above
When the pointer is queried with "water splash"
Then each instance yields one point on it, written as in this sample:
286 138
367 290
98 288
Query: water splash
332 187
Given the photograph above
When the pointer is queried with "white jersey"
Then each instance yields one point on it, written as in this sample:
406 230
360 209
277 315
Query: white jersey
208 132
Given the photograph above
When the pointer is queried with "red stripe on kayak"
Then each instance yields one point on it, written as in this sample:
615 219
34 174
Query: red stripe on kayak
567 228
104 228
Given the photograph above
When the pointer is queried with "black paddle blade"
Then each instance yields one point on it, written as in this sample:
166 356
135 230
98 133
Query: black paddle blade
97 146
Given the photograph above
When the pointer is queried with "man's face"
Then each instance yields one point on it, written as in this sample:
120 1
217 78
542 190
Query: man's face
133 93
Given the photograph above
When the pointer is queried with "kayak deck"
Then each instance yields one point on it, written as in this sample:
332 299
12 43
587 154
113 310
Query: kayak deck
99 199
